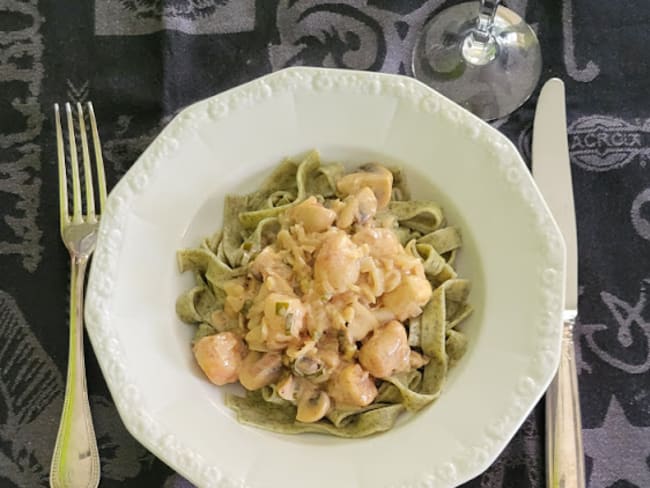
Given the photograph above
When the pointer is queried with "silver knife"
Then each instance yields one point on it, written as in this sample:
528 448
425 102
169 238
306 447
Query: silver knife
552 172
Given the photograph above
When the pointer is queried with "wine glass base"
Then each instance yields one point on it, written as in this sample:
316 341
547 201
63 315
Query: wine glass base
490 86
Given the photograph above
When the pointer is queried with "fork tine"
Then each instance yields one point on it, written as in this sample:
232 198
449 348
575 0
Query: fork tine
63 183
76 183
101 177
90 197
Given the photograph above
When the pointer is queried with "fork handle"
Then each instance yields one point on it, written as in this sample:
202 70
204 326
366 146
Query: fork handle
564 455
75 462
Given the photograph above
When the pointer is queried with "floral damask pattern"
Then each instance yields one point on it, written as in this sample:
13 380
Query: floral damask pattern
188 9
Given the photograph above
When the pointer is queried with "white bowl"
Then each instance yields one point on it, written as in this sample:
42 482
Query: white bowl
173 196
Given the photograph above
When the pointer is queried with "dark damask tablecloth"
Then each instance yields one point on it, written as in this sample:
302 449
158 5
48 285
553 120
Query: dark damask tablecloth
141 61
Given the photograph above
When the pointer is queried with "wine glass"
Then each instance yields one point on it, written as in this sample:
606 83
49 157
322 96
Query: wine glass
481 55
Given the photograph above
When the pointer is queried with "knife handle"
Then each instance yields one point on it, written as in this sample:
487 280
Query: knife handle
564 456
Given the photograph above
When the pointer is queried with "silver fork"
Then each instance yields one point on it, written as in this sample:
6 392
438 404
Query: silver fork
75 462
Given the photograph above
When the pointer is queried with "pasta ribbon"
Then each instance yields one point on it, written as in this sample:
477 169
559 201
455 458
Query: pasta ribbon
306 300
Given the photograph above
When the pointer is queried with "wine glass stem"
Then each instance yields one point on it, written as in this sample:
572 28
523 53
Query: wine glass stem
486 12
480 47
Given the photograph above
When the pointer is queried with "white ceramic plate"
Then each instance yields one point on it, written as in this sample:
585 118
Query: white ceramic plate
173 196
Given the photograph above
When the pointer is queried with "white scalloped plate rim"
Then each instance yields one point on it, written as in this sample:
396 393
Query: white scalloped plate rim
464 461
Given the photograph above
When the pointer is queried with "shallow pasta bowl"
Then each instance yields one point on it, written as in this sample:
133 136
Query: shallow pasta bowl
172 197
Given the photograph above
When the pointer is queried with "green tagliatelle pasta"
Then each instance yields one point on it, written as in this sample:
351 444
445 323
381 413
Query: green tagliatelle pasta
270 312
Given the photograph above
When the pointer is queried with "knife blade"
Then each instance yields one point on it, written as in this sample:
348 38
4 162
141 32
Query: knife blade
552 173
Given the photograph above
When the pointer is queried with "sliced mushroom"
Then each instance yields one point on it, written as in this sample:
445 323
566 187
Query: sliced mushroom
307 366
286 388
359 207
312 408
328 354
367 205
